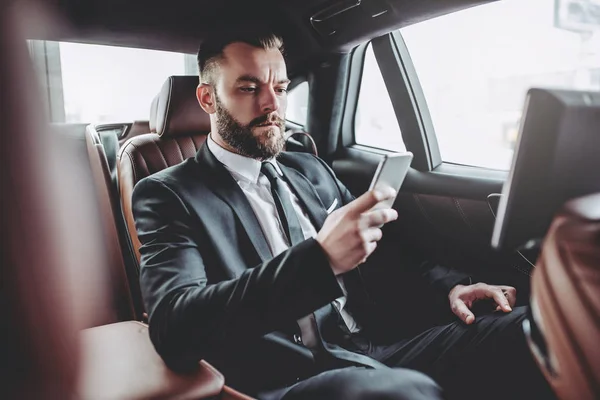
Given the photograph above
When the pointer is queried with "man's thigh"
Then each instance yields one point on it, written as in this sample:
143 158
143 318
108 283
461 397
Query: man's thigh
489 358
446 345
361 383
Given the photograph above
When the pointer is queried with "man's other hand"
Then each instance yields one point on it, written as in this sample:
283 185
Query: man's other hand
463 297
350 233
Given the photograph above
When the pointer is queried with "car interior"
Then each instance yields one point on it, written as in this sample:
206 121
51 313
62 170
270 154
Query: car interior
504 183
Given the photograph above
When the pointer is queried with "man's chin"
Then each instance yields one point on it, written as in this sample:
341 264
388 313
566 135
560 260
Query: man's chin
268 130
272 146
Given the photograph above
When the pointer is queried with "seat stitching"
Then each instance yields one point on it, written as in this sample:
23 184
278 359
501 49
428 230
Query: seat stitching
422 209
134 166
462 213
521 270
196 144
179 148
132 159
162 155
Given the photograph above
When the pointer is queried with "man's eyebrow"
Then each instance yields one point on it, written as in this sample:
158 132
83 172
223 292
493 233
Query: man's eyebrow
254 79
248 78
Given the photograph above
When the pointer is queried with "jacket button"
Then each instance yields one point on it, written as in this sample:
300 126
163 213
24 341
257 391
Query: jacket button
297 339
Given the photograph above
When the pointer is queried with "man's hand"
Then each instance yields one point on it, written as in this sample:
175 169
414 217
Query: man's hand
463 297
350 233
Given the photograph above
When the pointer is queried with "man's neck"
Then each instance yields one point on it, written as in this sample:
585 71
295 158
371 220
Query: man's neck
219 140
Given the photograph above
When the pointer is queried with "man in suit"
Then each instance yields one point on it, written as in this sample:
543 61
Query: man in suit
251 259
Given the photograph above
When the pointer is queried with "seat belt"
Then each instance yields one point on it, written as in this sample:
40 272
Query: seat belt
110 142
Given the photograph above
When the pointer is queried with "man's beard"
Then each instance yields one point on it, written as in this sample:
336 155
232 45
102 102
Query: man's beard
242 138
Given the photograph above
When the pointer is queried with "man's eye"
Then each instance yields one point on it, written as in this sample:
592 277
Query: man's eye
248 89
281 90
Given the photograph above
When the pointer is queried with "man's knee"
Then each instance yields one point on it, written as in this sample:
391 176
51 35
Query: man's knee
393 384
367 384
501 321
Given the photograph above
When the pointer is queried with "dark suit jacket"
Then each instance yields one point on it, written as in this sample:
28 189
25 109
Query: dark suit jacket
211 287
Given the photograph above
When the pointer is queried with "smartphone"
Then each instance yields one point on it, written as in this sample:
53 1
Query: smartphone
391 172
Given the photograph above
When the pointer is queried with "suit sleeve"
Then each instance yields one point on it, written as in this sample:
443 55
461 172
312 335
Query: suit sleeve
443 278
190 318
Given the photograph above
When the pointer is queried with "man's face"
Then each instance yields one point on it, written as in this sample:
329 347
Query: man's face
250 100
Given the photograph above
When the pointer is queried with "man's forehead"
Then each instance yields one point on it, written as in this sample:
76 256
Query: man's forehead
243 59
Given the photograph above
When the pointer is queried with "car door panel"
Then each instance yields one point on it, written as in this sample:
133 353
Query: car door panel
443 216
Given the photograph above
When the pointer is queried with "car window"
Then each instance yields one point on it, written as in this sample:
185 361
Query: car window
297 106
375 122
476 65
93 83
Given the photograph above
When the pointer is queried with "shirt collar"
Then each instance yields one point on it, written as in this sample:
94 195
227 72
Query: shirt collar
241 167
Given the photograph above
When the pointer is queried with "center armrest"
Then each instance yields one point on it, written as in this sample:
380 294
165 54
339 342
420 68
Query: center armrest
119 362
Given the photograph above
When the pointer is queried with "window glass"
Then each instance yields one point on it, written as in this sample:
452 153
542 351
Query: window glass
476 65
297 107
93 83
375 122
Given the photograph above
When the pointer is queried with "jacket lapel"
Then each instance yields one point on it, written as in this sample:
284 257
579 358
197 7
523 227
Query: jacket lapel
307 195
220 181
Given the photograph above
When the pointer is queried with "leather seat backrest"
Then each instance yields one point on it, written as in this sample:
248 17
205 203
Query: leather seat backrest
106 195
564 330
181 129
178 128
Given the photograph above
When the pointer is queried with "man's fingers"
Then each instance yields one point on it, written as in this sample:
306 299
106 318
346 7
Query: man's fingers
499 298
373 235
462 311
380 217
371 246
369 199
510 293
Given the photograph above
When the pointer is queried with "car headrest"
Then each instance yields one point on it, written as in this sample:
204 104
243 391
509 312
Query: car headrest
178 112
153 112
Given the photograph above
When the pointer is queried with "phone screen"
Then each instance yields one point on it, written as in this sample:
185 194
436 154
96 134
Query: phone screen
391 172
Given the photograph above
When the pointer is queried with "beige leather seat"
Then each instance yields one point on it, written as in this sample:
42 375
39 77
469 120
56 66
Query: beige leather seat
564 330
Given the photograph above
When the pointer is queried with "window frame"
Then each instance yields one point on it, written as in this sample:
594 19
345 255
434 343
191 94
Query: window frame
420 118
47 58
421 134
406 97
294 83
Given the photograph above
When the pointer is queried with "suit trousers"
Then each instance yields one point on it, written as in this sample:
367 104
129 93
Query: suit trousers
486 360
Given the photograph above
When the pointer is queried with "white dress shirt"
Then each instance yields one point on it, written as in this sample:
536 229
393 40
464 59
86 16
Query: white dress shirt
257 188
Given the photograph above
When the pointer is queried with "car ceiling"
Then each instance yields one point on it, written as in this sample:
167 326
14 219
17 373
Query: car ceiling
180 25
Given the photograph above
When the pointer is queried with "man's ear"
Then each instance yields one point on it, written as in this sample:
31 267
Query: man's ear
204 94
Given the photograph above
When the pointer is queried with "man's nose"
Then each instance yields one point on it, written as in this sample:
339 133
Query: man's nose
269 101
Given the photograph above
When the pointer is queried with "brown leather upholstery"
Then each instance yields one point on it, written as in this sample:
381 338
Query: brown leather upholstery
122 302
144 155
566 300
182 126
119 362
232 394
178 112
137 128
50 257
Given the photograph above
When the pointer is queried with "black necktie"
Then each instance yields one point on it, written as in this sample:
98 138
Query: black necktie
283 202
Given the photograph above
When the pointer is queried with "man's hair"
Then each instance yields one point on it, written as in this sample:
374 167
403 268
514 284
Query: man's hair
211 49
